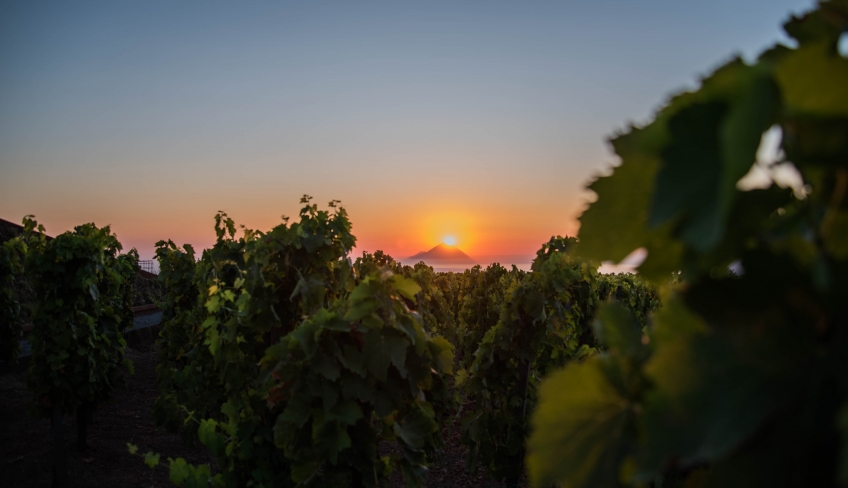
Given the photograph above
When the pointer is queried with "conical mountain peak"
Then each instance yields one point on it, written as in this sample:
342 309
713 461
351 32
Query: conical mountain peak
443 253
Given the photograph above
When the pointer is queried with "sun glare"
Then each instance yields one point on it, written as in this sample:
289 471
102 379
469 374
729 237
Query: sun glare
449 240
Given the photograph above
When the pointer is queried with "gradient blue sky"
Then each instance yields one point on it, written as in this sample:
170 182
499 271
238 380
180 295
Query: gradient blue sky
483 120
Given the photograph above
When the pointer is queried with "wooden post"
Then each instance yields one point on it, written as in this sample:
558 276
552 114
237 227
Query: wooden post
82 425
60 463
513 478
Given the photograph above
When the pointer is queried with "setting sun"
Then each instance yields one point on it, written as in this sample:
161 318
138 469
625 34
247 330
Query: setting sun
449 240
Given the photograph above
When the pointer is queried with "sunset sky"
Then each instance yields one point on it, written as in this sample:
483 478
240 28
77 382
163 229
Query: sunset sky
482 121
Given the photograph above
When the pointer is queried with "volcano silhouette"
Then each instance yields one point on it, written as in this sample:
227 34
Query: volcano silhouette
443 254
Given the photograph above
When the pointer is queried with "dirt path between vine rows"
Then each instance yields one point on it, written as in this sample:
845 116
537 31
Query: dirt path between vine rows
26 445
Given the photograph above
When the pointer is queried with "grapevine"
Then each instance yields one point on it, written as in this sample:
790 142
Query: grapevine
10 307
740 380
284 317
543 322
85 287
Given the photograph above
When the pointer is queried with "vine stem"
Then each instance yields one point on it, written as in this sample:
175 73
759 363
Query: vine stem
83 414
526 374
60 464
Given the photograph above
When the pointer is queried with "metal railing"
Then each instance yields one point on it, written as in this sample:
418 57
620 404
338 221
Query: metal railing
148 265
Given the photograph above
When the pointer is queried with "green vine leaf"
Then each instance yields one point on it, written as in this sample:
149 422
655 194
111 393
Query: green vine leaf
580 429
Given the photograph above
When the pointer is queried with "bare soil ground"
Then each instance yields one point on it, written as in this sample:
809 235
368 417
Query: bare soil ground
26 448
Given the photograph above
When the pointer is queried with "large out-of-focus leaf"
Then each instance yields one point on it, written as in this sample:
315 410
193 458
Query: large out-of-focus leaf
744 381
623 198
688 179
712 144
813 80
615 328
819 25
715 385
753 212
579 428
798 447
678 175
752 112
665 255
843 461
835 236
811 141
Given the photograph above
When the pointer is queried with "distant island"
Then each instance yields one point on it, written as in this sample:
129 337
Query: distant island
443 254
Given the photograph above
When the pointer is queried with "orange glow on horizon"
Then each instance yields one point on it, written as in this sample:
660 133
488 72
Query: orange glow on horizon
444 226
483 227
492 230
